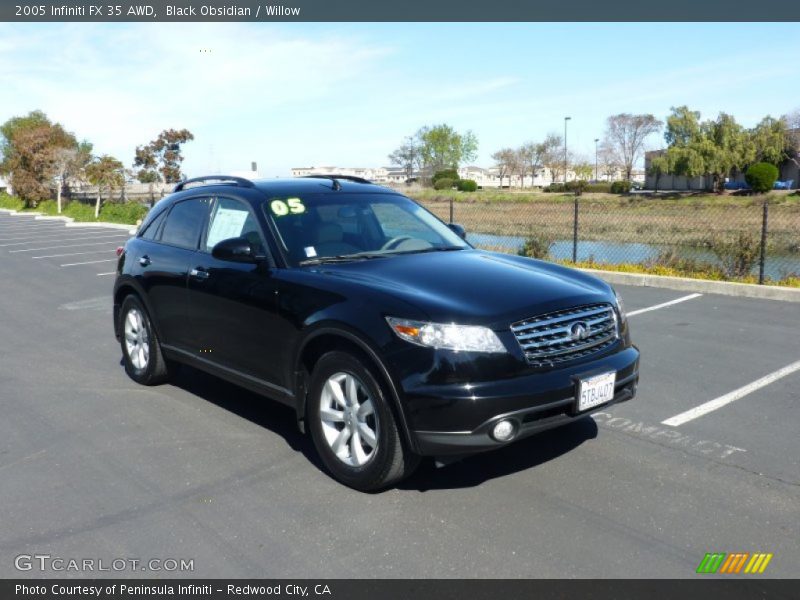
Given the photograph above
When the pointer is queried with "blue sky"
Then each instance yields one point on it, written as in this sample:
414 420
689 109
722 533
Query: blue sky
289 95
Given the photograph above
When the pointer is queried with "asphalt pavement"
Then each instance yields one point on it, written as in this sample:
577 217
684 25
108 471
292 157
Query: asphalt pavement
94 466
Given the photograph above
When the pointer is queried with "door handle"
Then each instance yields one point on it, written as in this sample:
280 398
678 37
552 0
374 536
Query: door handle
144 261
199 273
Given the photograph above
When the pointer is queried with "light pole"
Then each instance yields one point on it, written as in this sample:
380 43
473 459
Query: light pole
595 157
565 148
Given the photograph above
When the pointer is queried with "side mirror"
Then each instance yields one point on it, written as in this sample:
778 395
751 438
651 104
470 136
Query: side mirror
234 250
458 230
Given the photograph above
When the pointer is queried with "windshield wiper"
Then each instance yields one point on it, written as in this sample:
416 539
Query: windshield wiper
431 249
341 258
372 254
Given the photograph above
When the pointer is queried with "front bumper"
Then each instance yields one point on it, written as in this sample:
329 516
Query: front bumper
457 419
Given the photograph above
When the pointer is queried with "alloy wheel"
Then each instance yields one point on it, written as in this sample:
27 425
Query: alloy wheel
137 343
349 420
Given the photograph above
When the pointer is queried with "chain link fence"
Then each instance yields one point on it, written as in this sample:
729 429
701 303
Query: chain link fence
751 240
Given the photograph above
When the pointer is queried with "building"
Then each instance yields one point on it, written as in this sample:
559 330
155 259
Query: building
485 178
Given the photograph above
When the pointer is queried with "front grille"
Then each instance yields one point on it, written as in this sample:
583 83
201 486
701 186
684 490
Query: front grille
551 338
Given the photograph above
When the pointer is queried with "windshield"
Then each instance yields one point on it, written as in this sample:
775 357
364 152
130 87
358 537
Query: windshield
340 226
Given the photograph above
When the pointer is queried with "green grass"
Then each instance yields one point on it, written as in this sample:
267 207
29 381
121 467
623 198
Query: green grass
708 274
10 202
128 213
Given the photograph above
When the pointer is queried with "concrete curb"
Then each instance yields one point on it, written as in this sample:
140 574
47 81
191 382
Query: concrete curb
69 221
702 286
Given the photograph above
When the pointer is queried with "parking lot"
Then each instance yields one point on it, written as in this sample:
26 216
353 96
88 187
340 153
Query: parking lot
705 459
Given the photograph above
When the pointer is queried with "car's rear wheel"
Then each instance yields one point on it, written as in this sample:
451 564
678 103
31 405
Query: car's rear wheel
141 350
353 427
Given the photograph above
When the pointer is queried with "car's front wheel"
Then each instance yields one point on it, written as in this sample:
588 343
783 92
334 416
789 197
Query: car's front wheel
352 425
141 350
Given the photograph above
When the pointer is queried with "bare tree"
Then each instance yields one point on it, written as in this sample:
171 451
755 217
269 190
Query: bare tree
408 156
506 163
625 136
530 156
62 162
519 167
609 165
552 154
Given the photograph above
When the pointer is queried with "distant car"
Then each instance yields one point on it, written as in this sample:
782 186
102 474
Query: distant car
390 336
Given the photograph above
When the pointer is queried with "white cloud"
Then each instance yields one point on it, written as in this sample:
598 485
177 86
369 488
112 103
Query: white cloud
118 86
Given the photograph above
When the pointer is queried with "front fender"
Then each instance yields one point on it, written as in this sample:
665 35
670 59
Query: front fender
360 339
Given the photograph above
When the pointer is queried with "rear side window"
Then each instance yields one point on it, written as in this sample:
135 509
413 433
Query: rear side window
185 222
152 227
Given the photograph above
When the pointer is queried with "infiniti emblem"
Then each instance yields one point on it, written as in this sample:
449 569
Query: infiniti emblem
579 331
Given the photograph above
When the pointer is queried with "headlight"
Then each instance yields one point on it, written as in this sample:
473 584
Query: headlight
620 305
468 338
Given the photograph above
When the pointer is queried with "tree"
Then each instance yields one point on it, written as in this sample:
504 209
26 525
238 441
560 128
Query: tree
625 136
552 154
161 159
442 147
658 166
772 141
505 162
725 147
31 148
609 167
683 126
105 172
62 159
713 147
518 168
68 163
583 170
407 156
530 157
792 121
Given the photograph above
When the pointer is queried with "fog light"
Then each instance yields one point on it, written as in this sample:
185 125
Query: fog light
503 431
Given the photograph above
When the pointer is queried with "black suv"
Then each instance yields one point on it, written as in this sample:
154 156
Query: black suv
390 335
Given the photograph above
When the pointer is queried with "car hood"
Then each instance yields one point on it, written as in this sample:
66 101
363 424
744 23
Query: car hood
473 286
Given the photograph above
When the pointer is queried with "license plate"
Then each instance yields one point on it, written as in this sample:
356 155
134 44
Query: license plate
596 390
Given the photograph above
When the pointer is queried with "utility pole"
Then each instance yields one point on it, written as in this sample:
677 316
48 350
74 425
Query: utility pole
595 158
565 148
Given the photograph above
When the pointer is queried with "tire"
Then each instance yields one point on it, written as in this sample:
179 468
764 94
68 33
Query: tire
141 349
373 459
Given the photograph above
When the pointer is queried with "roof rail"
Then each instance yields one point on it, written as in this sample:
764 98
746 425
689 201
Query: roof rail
216 180
335 177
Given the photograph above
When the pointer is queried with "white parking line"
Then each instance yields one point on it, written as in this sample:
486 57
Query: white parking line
712 405
73 254
32 227
663 304
111 273
63 246
88 262
15 222
56 233
66 239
